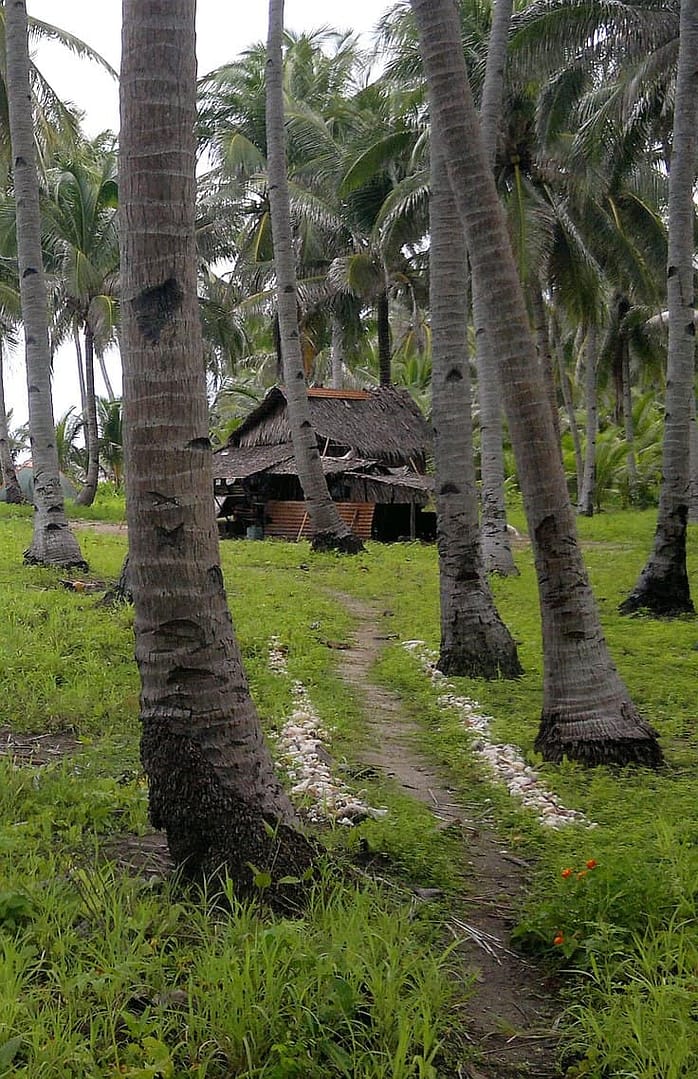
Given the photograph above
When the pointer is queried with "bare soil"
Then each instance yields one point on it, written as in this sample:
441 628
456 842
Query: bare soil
38 749
511 1017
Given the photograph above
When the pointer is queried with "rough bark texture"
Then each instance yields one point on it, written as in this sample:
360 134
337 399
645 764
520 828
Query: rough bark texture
663 587
474 640
330 531
13 491
89 490
212 783
496 541
53 543
384 343
566 387
587 713
587 491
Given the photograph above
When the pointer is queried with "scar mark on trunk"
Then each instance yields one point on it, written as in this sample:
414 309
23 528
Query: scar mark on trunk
29 271
156 307
454 375
162 500
199 444
170 537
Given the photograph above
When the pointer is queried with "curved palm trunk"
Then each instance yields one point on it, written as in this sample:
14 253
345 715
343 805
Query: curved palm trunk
539 323
211 777
587 491
474 640
105 378
384 343
53 543
89 490
663 587
81 369
330 531
587 713
13 491
496 542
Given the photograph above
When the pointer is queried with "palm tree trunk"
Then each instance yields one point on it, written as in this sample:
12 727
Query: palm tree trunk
81 369
663 587
496 542
539 322
384 342
587 491
53 543
693 442
13 491
89 490
587 713
566 387
474 640
105 377
337 353
329 531
211 777
629 427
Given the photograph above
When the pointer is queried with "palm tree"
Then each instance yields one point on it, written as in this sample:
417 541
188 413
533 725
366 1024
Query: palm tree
212 782
79 220
13 491
587 713
663 586
53 542
111 439
474 640
329 531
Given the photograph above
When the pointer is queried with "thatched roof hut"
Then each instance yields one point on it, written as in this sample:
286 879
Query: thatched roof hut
374 447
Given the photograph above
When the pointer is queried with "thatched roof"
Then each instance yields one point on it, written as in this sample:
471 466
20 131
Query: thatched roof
238 463
382 425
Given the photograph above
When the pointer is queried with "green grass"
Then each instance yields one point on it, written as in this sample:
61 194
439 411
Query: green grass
103 974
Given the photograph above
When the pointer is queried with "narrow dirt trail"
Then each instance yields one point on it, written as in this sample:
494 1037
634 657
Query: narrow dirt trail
511 1015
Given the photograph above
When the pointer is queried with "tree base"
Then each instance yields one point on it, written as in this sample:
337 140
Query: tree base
485 662
331 541
54 561
614 751
121 592
660 597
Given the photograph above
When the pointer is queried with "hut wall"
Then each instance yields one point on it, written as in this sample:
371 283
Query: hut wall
290 521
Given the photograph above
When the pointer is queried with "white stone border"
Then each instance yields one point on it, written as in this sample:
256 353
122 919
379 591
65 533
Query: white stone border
505 761
302 752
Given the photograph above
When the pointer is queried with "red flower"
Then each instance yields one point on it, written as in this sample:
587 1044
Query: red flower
558 939
581 874
566 873
592 863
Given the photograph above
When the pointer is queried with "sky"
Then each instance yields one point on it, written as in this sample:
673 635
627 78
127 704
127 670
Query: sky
223 30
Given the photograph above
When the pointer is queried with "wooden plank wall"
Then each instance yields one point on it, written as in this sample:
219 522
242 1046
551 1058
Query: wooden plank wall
290 521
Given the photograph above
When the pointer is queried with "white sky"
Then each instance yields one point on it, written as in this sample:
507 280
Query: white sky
224 29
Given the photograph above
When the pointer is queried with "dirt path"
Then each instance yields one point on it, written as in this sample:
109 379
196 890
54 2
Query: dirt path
511 1015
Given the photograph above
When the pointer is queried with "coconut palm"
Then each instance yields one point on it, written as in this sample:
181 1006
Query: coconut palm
53 542
329 531
80 235
663 586
474 640
587 713
211 779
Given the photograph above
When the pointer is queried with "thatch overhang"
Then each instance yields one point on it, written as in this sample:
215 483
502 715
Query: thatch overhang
239 463
383 425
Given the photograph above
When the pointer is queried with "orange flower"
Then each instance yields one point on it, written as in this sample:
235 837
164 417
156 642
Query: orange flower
583 873
566 873
558 939
592 863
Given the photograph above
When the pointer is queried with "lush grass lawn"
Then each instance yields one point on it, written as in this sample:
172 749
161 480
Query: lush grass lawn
103 974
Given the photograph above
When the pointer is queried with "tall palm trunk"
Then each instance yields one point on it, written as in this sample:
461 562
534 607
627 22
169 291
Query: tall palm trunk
495 536
89 490
211 777
566 387
384 342
587 713
53 543
474 640
329 531
337 353
13 491
587 491
629 426
663 587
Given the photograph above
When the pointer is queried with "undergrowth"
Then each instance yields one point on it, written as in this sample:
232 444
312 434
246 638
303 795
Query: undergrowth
103 973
